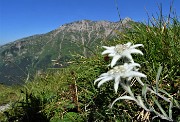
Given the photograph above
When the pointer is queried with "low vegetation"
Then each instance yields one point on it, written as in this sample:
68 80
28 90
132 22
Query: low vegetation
69 94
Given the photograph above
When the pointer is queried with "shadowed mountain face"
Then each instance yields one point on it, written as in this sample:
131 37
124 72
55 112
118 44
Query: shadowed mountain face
31 55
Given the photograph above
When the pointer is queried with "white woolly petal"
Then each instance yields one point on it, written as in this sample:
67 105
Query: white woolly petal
107 52
128 55
125 52
104 80
135 51
109 48
99 79
137 45
111 54
104 74
128 44
116 84
134 65
126 65
135 74
115 59
129 78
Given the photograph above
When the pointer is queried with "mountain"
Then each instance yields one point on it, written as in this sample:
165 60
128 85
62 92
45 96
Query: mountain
31 55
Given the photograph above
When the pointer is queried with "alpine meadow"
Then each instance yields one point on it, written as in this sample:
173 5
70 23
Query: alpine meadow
94 71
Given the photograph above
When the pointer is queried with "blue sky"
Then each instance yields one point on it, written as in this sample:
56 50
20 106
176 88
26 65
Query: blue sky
22 18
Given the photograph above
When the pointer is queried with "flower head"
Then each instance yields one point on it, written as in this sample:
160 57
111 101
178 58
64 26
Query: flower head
125 71
122 50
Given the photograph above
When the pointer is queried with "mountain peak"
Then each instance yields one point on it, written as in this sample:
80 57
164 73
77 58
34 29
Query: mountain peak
57 45
125 20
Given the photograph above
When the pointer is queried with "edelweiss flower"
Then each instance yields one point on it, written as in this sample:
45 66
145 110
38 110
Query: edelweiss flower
122 71
122 50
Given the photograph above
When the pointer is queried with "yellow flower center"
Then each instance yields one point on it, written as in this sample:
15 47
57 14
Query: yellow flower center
117 69
120 48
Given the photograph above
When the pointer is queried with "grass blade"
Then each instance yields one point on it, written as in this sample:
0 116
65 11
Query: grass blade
159 106
157 78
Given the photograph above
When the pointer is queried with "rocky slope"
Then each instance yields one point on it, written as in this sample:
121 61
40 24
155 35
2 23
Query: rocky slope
28 56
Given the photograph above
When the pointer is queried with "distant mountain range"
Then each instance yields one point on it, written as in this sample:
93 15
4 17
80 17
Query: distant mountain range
31 55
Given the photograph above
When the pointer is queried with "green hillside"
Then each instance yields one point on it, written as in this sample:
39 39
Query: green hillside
22 59
68 94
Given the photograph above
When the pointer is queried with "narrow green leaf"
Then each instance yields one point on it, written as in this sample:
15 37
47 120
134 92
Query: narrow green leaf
144 90
159 106
170 110
139 80
163 91
177 104
161 96
140 103
157 78
123 97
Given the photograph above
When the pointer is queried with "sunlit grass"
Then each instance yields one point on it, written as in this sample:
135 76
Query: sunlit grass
8 94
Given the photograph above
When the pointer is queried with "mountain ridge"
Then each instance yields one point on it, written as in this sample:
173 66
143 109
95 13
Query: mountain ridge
28 55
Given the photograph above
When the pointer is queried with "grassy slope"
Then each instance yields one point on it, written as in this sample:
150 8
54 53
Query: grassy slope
70 95
8 94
